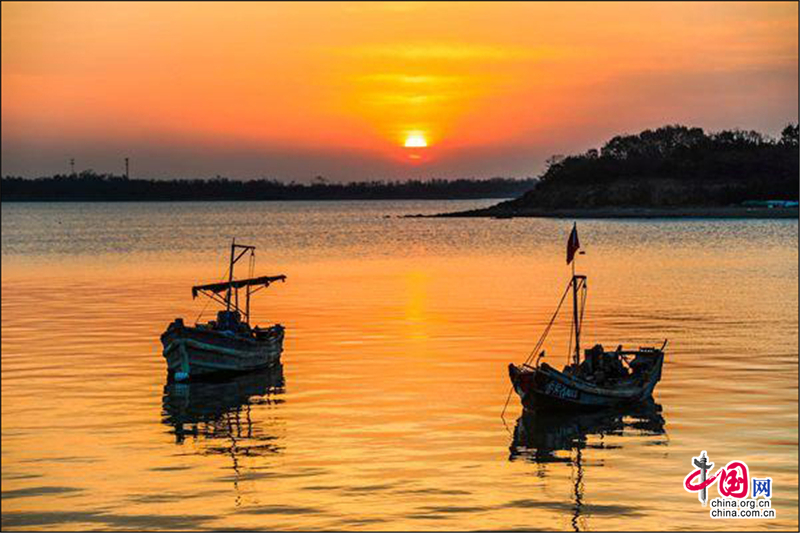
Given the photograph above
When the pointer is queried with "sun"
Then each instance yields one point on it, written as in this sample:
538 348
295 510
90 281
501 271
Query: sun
415 139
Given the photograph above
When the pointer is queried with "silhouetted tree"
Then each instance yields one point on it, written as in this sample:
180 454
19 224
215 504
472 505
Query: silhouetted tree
673 165
90 186
789 135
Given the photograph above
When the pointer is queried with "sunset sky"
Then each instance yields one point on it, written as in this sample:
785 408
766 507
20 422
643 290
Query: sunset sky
376 90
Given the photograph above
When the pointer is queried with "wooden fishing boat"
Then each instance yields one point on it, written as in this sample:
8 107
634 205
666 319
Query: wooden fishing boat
602 379
227 344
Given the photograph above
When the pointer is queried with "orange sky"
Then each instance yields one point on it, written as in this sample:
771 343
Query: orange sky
297 90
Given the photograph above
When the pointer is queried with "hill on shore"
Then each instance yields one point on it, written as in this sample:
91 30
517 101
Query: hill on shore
670 167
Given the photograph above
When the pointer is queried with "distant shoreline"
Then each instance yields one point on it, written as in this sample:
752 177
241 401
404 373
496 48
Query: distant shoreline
625 212
90 187
243 200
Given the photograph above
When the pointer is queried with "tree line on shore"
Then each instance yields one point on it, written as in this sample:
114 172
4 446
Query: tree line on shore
90 186
672 166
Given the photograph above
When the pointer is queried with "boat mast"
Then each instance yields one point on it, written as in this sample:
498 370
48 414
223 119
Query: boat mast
578 283
573 247
575 317
229 294
230 277
247 289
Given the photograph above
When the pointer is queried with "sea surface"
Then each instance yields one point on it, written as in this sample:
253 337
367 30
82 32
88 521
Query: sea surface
386 414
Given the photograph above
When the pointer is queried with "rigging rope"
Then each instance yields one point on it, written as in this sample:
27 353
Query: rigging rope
250 273
569 347
580 320
535 349
208 301
549 325
583 302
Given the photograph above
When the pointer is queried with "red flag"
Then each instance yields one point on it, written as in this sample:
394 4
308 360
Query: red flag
572 244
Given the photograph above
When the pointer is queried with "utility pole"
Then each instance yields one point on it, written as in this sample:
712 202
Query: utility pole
72 166
126 168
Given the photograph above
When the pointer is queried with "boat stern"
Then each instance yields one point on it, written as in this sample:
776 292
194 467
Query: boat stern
174 350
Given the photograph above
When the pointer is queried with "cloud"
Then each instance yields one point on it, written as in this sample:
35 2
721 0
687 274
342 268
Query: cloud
455 51
411 79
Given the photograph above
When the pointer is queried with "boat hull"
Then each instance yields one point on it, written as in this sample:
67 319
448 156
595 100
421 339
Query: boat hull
546 389
193 353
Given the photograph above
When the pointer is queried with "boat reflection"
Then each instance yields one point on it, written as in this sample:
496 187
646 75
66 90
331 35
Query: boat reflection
220 414
222 411
543 438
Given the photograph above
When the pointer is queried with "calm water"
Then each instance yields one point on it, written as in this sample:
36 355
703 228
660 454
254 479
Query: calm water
399 331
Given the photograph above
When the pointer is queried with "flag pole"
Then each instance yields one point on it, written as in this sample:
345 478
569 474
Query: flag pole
577 355
574 260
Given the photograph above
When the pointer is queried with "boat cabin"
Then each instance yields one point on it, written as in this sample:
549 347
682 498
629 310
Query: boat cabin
605 368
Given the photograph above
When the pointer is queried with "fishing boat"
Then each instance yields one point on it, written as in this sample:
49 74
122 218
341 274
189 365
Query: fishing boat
228 344
601 379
